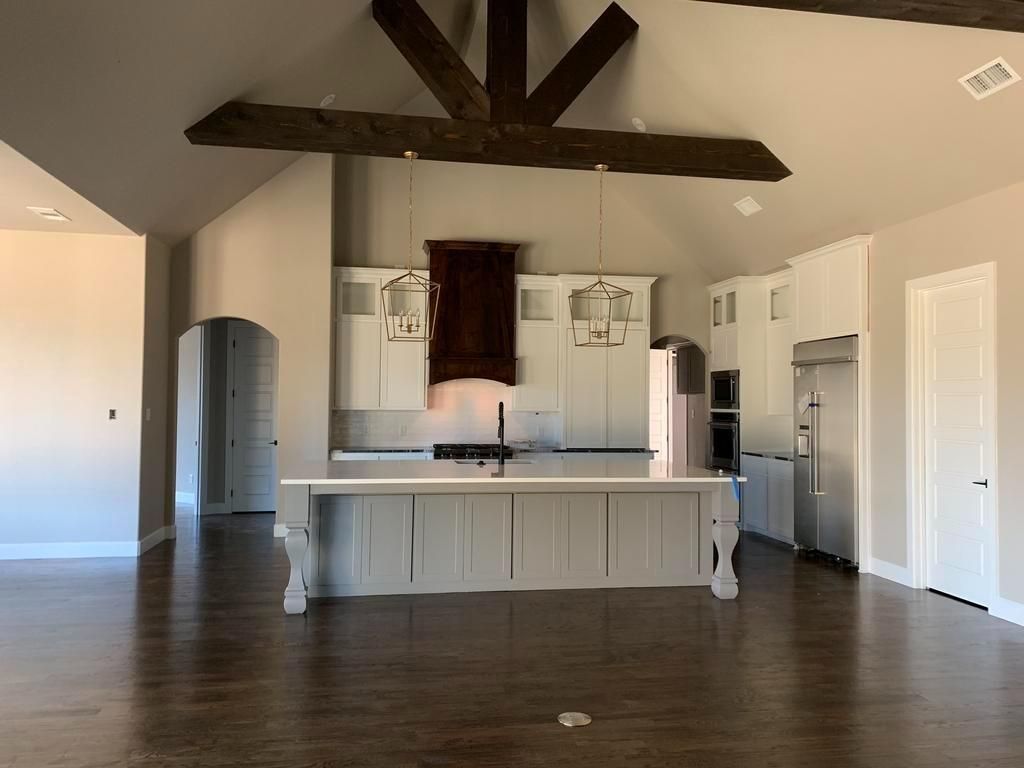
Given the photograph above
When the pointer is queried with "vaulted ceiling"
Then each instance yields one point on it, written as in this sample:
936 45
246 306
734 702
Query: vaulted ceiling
868 114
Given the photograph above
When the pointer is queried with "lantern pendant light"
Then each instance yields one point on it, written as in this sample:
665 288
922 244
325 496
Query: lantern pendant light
410 300
600 312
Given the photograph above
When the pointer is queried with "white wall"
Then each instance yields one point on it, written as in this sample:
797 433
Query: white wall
987 228
187 440
71 337
155 504
268 260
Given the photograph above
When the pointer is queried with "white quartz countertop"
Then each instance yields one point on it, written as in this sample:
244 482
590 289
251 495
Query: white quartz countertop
588 468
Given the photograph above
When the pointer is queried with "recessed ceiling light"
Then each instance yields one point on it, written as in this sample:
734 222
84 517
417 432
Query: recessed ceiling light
50 214
639 124
327 100
748 206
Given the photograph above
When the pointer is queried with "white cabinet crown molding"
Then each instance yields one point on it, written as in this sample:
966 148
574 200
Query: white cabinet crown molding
856 240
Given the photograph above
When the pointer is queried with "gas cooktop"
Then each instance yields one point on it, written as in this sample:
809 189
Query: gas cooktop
468 451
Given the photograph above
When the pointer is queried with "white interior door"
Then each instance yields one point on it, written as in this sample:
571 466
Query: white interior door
959 430
254 419
659 413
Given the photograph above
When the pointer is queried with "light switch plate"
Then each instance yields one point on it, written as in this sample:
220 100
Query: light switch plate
112 414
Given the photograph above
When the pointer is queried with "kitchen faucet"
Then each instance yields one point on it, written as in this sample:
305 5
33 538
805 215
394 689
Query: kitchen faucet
501 433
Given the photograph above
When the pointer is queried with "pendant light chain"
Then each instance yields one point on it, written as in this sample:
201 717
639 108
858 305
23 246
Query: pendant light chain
412 158
600 221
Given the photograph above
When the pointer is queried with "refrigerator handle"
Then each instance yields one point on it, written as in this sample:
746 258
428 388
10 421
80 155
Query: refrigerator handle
815 425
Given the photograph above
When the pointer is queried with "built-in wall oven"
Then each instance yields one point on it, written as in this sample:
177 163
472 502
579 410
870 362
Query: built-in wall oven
724 441
725 390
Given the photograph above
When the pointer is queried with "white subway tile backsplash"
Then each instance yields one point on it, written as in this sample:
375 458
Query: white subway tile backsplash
462 411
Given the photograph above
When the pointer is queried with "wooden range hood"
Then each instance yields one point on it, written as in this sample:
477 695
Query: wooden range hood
475 334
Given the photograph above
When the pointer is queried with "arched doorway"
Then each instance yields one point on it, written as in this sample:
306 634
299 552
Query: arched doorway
226 422
678 409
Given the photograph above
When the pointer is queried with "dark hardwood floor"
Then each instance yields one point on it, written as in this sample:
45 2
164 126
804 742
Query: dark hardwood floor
185 658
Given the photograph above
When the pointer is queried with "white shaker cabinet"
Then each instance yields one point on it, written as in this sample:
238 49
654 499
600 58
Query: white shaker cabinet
462 538
629 392
586 396
370 372
607 393
403 374
768 496
830 290
357 366
439 526
340 533
653 536
538 344
536 537
754 493
584 534
780 499
487 555
560 537
387 539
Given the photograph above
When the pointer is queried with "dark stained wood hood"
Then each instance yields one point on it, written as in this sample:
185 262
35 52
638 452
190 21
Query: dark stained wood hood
475 334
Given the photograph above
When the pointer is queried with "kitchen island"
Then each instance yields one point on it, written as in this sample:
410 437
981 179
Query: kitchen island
551 522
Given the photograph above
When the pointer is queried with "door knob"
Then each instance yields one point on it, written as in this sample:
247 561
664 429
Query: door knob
983 483
273 442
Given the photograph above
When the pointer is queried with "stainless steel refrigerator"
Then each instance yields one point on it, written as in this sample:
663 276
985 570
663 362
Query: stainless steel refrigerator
825 442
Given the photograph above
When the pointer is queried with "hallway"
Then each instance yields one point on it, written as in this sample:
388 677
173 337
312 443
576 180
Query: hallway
184 657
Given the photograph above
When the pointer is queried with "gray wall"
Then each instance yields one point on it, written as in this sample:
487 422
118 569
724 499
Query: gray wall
552 213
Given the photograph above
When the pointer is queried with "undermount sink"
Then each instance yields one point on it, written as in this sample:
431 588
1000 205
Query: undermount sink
492 461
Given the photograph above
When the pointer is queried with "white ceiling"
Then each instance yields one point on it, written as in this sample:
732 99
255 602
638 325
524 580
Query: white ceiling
23 183
868 114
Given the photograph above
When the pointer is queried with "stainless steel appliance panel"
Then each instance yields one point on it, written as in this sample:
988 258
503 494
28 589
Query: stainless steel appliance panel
724 441
837 460
825 436
805 504
725 390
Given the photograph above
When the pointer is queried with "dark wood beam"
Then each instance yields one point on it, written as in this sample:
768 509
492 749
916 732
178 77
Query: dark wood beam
579 66
1005 15
302 129
506 60
433 58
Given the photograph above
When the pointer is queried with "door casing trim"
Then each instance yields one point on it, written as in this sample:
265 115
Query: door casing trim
917 524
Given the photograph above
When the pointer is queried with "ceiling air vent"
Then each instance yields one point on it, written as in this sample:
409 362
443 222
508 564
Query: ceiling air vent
986 80
50 214
748 206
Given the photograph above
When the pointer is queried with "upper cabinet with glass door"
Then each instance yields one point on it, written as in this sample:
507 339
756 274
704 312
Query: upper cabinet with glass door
723 309
537 300
357 293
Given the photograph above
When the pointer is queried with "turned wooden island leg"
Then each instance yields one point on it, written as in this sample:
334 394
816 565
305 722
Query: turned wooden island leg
295 500
725 515
296 542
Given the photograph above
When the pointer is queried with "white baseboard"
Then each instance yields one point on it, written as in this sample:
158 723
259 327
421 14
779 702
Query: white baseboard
68 549
898 573
59 550
280 530
160 534
1008 610
184 497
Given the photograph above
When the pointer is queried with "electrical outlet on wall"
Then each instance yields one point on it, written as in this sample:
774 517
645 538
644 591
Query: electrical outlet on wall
149 414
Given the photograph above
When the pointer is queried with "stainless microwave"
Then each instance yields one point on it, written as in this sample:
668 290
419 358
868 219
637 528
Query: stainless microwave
725 390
